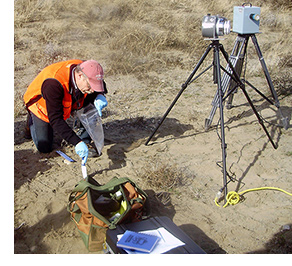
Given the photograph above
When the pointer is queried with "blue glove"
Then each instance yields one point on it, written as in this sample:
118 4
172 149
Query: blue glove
82 150
100 102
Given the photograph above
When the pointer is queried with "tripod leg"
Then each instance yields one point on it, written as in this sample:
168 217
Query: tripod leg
184 86
260 93
236 58
268 78
242 86
258 117
241 52
220 94
267 75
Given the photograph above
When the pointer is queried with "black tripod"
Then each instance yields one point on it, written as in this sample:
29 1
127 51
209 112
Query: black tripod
236 58
230 72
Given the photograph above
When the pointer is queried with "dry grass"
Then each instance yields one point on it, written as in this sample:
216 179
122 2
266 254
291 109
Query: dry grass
132 37
163 176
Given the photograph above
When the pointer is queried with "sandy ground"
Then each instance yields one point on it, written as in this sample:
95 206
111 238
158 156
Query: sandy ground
148 50
42 182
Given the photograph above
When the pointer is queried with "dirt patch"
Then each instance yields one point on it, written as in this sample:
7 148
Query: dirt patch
180 168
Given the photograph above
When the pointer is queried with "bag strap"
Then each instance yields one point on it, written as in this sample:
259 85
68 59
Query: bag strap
84 184
74 198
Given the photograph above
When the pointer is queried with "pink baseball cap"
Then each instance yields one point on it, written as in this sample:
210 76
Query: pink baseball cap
93 70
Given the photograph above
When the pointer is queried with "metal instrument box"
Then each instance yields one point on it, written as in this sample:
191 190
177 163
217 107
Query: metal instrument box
246 19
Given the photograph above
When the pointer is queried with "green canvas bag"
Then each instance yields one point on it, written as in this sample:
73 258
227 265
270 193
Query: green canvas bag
95 208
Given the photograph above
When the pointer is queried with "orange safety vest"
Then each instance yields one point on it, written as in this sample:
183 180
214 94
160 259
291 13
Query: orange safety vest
33 96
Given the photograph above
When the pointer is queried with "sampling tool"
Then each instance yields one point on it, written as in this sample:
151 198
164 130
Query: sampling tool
65 156
83 168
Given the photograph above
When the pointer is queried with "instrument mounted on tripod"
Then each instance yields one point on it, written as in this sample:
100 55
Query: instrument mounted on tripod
246 23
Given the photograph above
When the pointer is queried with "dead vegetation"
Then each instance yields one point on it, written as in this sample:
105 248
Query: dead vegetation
133 37
162 176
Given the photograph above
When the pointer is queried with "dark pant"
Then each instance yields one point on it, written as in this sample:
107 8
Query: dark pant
43 136
41 133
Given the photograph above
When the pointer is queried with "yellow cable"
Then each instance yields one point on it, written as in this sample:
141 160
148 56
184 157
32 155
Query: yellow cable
233 197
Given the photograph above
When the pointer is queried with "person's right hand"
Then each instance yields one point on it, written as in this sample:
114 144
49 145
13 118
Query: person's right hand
82 150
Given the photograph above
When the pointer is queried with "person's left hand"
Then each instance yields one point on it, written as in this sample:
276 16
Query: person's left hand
100 102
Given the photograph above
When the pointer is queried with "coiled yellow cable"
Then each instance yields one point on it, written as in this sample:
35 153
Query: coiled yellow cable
233 197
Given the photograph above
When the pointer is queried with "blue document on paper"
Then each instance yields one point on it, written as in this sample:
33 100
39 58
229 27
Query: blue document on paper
138 241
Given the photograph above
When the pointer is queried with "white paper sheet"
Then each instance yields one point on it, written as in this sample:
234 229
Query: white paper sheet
167 241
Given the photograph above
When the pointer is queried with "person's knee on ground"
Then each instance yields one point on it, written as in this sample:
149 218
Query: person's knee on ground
44 146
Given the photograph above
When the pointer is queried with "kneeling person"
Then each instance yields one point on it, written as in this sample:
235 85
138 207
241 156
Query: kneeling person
56 92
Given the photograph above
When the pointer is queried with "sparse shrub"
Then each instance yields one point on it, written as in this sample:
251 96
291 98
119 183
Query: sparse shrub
163 176
129 37
283 84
